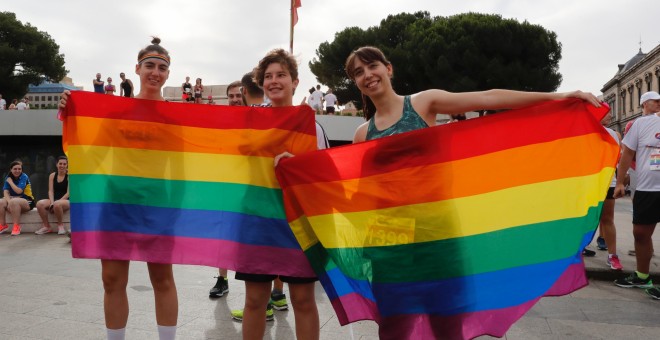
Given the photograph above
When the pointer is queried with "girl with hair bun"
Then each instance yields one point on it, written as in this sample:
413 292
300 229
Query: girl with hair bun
153 69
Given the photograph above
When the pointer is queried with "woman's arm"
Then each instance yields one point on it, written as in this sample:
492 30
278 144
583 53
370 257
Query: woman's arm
16 188
431 102
361 133
51 190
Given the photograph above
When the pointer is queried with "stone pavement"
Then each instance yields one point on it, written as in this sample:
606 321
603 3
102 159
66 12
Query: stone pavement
46 294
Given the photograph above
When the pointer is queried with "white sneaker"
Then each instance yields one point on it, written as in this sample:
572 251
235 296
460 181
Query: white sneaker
43 230
61 230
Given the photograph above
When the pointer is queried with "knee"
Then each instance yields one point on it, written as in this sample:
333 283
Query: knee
163 282
43 205
114 282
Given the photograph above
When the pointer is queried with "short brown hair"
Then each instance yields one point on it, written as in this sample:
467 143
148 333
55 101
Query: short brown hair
277 55
232 85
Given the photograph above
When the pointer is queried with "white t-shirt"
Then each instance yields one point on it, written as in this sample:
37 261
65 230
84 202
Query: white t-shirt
330 99
616 138
21 106
3 104
644 138
315 99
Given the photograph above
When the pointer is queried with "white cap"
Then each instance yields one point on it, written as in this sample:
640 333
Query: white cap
651 95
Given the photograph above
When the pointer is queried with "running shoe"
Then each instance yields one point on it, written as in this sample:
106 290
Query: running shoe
3 228
237 314
220 289
634 281
588 252
654 292
43 230
61 230
614 262
600 243
279 301
16 230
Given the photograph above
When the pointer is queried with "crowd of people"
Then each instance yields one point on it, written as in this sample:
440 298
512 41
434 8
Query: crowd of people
275 78
16 104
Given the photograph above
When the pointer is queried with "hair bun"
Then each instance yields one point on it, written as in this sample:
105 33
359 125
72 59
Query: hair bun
155 40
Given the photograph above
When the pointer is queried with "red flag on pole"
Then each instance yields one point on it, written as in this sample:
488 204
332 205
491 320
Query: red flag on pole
294 9
294 20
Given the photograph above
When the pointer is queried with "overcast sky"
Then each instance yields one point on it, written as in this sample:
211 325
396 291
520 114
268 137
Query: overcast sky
220 40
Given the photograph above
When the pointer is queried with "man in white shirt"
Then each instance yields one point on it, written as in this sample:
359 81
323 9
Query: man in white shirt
22 105
643 142
316 99
330 101
3 103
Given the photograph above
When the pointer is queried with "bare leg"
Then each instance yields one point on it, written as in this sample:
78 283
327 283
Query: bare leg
42 209
16 207
59 207
305 311
643 246
607 228
115 301
3 210
167 303
257 295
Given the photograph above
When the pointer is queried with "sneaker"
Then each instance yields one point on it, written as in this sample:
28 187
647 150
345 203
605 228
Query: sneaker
634 281
16 230
3 228
588 252
279 301
61 230
237 314
614 263
600 243
221 287
43 230
654 292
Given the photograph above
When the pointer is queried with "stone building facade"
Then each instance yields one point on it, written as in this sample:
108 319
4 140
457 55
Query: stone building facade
640 74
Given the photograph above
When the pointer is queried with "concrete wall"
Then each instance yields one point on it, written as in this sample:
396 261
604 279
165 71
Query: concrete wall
30 123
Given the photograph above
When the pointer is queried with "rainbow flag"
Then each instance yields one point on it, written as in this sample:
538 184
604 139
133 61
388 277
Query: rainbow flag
453 231
182 183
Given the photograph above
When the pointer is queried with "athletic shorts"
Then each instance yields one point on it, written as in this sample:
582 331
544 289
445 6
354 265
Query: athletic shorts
610 194
330 110
646 207
269 278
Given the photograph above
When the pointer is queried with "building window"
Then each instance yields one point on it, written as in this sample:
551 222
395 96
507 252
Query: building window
43 98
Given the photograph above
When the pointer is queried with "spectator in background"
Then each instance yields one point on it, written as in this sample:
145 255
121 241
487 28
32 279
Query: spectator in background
110 88
17 197
198 89
330 101
3 103
186 91
22 105
211 102
13 104
316 100
234 95
126 86
57 202
98 84
252 94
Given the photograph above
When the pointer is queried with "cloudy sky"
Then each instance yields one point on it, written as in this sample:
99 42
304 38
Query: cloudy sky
220 40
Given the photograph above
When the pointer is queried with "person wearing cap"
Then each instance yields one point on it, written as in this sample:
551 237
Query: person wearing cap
643 142
210 99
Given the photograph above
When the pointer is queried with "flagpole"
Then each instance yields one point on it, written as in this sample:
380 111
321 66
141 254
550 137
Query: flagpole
291 27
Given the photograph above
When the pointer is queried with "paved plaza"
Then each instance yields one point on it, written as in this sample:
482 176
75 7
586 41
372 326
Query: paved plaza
48 295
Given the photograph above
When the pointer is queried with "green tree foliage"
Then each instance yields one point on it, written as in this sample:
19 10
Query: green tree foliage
464 52
27 56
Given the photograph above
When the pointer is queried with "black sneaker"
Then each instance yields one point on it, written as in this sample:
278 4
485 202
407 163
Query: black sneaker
588 252
600 242
634 281
654 292
221 288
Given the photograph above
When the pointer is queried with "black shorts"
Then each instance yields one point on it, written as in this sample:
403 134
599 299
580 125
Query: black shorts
610 194
646 207
330 109
269 278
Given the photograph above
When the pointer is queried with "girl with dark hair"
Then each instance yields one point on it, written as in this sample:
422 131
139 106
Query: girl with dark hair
17 197
57 202
388 113
153 68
